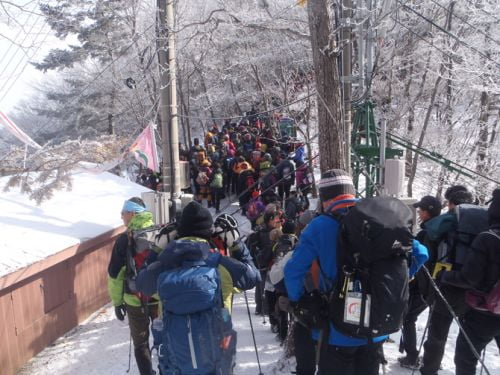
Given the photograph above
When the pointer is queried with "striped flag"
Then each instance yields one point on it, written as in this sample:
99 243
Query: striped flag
16 132
144 149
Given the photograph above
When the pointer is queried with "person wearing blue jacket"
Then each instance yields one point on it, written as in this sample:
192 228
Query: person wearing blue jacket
343 355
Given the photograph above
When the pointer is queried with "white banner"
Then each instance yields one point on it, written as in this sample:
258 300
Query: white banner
16 132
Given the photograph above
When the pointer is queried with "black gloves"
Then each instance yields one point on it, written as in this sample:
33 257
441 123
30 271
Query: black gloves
236 251
311 310
120 312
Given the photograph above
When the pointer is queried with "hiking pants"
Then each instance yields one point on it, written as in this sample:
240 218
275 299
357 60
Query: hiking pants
439 326
409 332
350 360
284 189
434 346
304 347
270 307
217 194
481 329
259 294
138 322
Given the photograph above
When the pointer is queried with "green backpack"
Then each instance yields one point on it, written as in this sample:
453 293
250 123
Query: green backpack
217 181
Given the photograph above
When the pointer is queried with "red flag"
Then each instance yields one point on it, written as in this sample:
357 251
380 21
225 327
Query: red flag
17 132
144 149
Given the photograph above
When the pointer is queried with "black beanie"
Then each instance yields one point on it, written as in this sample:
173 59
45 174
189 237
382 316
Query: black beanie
453 189
288 227
494 209
196 221
460 197
333 183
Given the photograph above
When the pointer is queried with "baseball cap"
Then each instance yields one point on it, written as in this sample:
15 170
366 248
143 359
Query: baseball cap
430 204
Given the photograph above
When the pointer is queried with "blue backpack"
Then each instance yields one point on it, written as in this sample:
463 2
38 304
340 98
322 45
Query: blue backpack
197 332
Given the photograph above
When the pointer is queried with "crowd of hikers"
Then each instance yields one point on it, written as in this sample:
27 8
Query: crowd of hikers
247 159
334 281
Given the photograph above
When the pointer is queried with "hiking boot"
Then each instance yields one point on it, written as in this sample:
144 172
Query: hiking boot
409 363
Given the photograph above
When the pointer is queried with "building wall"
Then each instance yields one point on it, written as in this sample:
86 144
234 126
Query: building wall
43 301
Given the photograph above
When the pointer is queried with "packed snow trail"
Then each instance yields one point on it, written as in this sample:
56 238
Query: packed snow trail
100 346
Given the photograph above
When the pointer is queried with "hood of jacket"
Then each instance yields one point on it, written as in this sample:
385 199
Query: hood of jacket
439 226
187 249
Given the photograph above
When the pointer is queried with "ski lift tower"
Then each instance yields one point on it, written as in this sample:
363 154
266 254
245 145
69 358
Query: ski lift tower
366 146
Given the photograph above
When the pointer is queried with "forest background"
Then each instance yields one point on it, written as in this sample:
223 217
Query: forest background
435 79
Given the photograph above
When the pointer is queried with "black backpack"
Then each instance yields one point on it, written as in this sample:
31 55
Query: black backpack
471 220
284 245
370 294
252 242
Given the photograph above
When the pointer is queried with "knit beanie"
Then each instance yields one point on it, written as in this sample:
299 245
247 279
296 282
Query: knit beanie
333 183
494 209
196 221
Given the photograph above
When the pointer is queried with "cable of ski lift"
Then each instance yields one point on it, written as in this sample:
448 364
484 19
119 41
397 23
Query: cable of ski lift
438 158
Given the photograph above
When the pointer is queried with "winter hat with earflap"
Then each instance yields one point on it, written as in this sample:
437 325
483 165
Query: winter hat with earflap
494 209
333 183
196 221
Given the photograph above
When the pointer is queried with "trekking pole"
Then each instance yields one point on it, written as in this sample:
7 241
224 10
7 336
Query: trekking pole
484 355
431 309
253 334
129 353
462 330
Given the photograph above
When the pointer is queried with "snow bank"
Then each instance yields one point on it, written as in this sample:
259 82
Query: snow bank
31 233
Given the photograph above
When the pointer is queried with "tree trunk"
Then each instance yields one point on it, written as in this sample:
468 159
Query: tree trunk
422 136
332 145
236 104
205 91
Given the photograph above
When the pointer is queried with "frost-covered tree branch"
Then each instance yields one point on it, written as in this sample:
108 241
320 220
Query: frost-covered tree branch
51 168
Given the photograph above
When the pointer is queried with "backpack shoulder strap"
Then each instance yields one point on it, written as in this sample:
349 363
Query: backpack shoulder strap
493 233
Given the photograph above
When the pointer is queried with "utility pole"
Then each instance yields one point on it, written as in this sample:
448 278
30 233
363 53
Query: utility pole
347 78
168 99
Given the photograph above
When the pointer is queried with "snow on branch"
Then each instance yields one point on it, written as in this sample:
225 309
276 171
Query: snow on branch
51 168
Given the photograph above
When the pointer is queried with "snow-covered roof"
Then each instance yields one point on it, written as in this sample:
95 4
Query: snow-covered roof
30 233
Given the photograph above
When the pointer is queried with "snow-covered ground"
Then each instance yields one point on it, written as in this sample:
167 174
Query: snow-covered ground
100 346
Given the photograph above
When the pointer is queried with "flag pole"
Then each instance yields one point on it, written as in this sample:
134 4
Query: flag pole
25 155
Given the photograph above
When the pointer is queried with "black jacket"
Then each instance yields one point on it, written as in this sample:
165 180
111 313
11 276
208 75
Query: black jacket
265 249
118 255
286 171
481 271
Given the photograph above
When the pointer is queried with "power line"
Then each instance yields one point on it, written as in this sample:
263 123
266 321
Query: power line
466 22
14 41
484 11
23 68
424 40
21 43
256 114
451 35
